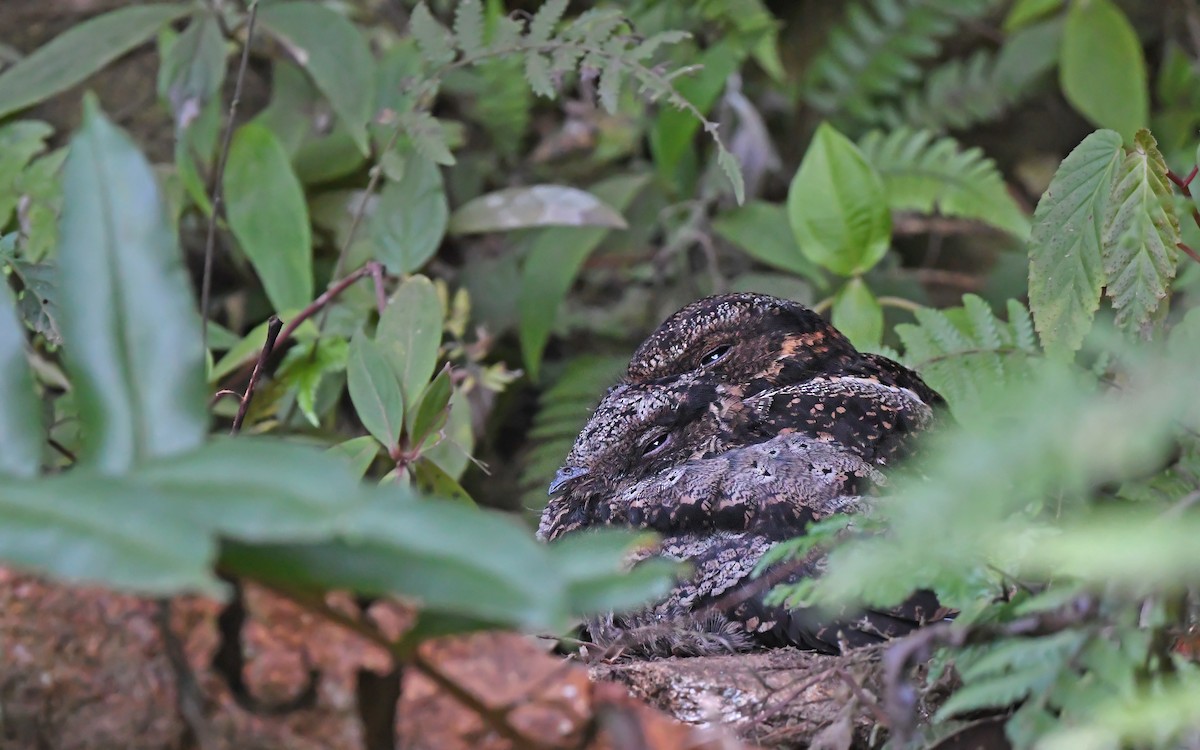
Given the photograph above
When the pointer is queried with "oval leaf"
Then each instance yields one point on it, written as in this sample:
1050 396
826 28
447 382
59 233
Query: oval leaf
433 410
334 53
1102 69
267 213
80 51
762 230
534 206
128 319
409 334
21 430
193 70
375 391
838 207
857 314
409 219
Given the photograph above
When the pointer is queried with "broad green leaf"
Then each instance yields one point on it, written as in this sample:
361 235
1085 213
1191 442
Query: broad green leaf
359 452
554 259
335 54
21 431
375 391
857 314
594 564
99 529
128 318
1101 67
533 206
80 51
267 213
838 207
433 481
1140 234
409 219
433 408
931 175
1066 270
193 69
762 230
409 334
20 141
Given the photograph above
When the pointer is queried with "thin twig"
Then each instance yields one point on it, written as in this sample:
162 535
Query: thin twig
219 177
1184 183
371 268
62 449
273 327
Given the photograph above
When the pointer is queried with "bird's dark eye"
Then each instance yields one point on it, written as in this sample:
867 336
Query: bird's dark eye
656 444
715 354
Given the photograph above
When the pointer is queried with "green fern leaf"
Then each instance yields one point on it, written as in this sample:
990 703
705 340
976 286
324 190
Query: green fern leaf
925 173
1066 269
646 49
1022 327
541 28
733 172
610 83
1141 231
433 39
537 72
428 136
468 26
1017 654
876 51
998 692
506 33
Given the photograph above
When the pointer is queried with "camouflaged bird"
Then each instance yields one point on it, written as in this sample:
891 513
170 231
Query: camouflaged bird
672 456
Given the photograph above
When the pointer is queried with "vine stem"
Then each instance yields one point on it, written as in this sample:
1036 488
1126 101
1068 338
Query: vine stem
1184 185
217 199
273 327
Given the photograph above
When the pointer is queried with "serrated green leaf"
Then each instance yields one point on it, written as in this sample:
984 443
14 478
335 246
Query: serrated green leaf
433 39
1066 268
544 20
733 172
409 334
858 314
432 409
410 217
128 319
428 137
1102 69
268 215
554 259
537 72
80 51
533 206
468 26
335 53
837 206
1140 234
193 70
610 84
375 391
21 430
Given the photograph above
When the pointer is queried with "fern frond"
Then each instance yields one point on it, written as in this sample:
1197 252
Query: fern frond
925 173
876 51
468 26
967 352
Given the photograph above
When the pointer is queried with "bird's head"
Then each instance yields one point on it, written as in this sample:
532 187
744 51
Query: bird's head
741 338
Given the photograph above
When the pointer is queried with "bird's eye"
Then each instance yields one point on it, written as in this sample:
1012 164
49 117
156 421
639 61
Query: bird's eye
656 444
715 354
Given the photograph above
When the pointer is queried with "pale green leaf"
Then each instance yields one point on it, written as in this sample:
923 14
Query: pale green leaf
537 72
433 39
21 431
544 20
837 206
193 70
468 26
409 219
762 231
1066 269
375 391
20 141
858 314
80 51
409 334
1102 69
128 317
733 172
1024 12
268 215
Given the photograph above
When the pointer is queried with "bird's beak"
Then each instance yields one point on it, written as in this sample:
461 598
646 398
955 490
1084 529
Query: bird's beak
563 476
